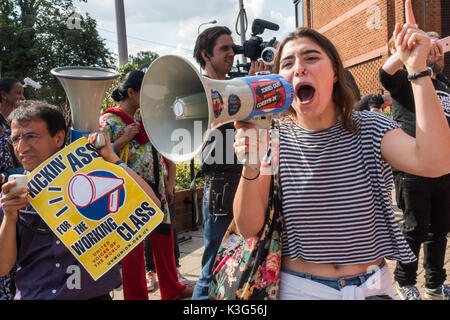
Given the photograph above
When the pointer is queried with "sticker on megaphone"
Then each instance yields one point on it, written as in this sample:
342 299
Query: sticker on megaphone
272 94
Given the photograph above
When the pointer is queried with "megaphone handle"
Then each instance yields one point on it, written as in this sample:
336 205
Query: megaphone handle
99 141
259 122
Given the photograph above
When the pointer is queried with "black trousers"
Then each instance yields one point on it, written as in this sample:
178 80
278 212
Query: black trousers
425 203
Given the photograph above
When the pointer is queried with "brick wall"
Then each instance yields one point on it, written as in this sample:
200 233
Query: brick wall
360 29
429 16
325 11
366 75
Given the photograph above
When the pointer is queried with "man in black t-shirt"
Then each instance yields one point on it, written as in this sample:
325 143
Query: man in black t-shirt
425 202
218 162
214 52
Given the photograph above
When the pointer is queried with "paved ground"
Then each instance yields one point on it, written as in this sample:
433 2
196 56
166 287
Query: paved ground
192 250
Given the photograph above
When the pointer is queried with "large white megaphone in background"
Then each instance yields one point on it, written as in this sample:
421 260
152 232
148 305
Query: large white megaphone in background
85 88
175 98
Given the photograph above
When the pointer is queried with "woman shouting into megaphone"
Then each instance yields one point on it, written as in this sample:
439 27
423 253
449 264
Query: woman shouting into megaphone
335 174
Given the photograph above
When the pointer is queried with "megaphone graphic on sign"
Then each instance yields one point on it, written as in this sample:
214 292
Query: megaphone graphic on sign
85 88
84 190
175 97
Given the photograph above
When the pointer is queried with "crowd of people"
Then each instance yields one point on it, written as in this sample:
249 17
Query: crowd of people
339 158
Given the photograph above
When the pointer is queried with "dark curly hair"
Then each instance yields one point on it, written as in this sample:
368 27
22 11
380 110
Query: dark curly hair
132 80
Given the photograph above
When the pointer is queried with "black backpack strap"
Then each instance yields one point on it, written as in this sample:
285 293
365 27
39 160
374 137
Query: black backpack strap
155 185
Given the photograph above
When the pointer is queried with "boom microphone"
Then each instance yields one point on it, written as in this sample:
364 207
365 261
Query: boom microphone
259 25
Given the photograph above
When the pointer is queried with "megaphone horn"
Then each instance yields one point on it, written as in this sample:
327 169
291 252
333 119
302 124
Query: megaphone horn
175 97
85 88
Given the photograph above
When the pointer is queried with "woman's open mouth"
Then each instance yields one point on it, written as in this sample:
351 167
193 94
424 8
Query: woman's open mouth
305 93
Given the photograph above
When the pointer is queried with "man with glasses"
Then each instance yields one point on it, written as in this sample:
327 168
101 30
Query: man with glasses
46 268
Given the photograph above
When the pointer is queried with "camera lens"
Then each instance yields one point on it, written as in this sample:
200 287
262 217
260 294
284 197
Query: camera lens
268 55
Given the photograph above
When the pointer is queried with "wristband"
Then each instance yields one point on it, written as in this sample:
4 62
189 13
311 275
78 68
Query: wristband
251 178
121 164
418 75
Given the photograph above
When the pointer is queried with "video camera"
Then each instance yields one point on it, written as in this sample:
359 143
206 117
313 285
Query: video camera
255 47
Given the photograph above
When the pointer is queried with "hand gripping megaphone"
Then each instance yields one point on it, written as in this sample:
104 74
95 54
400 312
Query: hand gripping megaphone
85 88
179 106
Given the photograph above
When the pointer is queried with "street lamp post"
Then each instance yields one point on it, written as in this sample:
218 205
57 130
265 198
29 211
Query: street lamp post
242 19
121 32
201 24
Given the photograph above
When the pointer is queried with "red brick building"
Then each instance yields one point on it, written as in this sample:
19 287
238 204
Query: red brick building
360 29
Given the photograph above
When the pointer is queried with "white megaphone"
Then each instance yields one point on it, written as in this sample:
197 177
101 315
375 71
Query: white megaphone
86 189
30 82
85 88
179 104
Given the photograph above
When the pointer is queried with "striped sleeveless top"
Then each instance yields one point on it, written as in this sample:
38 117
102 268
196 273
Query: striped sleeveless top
336 193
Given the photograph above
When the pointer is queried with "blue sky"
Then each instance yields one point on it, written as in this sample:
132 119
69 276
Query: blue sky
170 27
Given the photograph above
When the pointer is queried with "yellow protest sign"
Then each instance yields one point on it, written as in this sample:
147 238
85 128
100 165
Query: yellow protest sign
95 208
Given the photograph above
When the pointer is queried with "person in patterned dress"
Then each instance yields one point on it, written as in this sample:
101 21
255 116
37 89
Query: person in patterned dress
124 127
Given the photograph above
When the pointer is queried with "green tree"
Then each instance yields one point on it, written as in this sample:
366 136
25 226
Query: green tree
39 35
143 59
183 178
17 39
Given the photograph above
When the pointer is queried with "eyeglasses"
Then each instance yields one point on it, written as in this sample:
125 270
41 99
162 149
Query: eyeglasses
29 138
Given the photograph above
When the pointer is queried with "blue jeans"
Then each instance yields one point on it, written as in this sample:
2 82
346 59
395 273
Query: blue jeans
214 229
